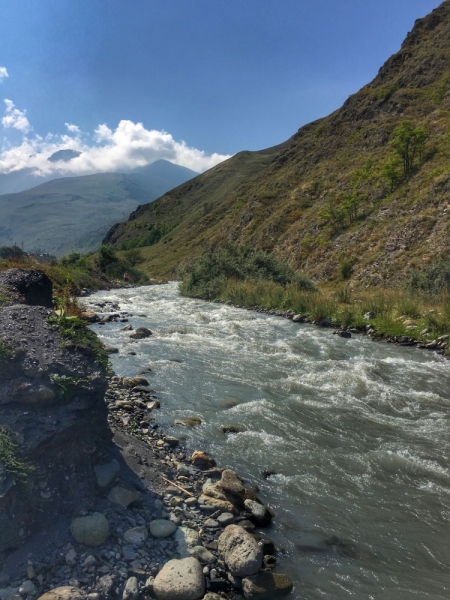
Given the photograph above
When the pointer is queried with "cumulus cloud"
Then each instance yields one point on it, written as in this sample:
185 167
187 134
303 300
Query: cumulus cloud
72 128
15 118
127 146
3 73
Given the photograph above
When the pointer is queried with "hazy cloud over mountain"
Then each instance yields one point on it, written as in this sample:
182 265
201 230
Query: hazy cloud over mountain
127 146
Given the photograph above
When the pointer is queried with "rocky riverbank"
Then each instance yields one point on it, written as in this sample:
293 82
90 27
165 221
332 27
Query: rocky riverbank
130 518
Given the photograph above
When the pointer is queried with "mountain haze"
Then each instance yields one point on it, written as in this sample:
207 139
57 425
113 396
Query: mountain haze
74 213
286 199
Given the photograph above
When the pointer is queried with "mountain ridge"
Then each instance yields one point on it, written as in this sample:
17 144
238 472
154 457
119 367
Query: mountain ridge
73 213
277 205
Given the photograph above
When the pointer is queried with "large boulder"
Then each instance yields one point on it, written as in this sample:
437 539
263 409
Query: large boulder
240 551
26 286
180 580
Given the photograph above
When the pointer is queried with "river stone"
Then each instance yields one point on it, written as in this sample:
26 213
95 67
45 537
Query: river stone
92 530
162 528
231 483
128 553
260 513
202 554
141 333
64 593
172 441
27 588
266 586
131 591
225 518
120 495
136 536
201 459
139 381
216 504
105 474
187 539
240 551
111 349
180 580
188 421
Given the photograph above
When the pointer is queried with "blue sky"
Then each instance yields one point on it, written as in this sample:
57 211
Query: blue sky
222 76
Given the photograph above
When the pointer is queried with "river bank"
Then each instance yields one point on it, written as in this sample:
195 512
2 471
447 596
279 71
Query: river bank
155 503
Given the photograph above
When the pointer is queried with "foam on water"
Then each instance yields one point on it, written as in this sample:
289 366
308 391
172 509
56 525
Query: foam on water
347 439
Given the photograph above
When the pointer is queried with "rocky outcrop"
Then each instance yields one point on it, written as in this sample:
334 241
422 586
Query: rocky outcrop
25 286
52 410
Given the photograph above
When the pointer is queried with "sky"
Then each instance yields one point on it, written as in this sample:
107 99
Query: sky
191 81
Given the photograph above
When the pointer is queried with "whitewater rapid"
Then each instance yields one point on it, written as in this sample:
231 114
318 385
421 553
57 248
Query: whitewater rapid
348 440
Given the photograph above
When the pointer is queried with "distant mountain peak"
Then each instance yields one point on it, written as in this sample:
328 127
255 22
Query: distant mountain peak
63 155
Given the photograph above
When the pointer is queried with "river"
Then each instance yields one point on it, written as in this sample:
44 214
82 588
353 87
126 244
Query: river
347 439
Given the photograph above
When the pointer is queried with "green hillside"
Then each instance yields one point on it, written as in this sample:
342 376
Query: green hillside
74 213
338 192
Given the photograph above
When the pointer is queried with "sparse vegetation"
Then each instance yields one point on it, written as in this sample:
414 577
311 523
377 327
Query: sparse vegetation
77 334
10 457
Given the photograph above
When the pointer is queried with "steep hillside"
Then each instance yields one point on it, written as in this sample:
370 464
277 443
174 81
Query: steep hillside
74 213
336 191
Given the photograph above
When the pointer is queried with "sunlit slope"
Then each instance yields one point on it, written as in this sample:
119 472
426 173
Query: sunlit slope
293 199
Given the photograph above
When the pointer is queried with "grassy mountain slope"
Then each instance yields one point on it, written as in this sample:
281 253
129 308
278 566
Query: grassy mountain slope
74 213
286 199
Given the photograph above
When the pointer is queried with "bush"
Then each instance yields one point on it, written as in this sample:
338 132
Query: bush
210 272
432 280
346 269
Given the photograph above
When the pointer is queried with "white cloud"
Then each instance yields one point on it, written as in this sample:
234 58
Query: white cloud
72 128
15 118
127 146
3 73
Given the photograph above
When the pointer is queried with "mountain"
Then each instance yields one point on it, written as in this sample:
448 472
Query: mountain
74 213
336 192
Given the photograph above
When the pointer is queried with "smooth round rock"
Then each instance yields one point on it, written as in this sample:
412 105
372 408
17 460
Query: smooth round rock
180 580
162 528
92 530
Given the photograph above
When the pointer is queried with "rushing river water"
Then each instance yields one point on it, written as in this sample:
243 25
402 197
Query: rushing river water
355 432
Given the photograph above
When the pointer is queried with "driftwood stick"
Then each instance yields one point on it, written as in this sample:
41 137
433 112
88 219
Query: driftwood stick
177 486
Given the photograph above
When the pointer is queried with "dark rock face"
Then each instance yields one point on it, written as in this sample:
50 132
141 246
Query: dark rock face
26 286
52 406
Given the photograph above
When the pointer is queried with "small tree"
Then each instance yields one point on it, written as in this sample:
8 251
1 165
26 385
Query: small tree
106 257
133 256
391 173
409 144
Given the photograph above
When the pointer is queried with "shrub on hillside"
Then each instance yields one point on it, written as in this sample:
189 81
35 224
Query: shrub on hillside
206 276
434 279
